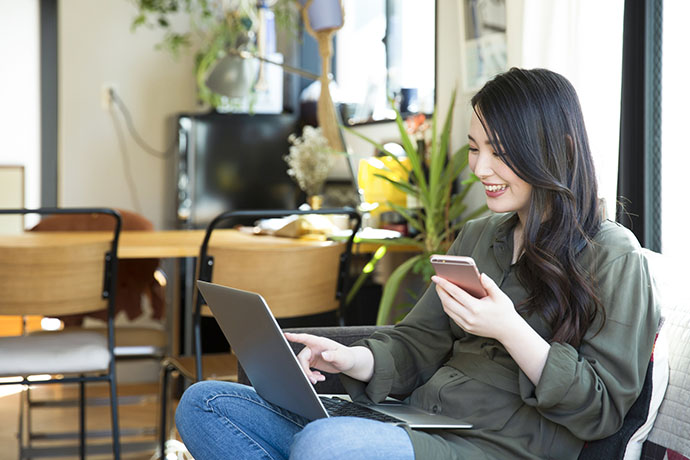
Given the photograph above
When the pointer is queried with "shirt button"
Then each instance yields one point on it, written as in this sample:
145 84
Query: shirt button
435 409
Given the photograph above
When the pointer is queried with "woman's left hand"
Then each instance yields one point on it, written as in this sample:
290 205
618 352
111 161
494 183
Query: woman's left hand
493 316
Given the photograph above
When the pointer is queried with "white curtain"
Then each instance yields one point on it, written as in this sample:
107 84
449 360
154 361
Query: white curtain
675 154
583 40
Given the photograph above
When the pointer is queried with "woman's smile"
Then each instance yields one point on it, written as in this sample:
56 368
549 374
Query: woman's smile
495 190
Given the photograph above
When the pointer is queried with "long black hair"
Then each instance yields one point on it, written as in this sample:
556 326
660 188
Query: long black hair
534 123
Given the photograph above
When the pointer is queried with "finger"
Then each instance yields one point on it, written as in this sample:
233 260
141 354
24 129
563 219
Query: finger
452 308
304 339
304 358
454 290
454 295
455 316
490 285
318 376
450 305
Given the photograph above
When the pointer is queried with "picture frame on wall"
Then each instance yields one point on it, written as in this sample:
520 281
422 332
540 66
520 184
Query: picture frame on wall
484 41
11 197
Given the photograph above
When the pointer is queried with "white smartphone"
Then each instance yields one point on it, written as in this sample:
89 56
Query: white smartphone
461 271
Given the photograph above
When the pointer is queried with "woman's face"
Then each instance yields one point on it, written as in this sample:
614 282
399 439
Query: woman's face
505 191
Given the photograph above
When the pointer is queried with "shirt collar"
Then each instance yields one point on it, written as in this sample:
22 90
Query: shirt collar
503 240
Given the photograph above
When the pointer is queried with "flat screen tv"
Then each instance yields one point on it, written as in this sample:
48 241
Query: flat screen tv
233 161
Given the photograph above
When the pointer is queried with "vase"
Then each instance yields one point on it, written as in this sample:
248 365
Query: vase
315 201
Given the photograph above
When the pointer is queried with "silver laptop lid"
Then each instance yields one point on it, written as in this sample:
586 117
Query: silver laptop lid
264 352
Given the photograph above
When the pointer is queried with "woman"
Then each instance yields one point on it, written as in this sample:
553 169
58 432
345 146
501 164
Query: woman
553 356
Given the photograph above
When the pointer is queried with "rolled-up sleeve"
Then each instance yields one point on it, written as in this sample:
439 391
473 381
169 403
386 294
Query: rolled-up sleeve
590 390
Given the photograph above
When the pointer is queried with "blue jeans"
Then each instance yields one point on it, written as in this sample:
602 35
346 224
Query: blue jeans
222 420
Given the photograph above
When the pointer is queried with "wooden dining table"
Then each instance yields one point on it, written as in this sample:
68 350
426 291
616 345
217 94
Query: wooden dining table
162 244
177 244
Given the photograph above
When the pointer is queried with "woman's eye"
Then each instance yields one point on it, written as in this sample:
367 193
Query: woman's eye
473 150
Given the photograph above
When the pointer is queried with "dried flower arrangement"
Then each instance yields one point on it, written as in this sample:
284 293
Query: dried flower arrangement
310 159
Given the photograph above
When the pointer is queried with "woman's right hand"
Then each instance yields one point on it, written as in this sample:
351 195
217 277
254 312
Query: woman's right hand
322 354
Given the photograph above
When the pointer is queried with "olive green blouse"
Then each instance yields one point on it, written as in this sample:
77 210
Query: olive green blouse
583 394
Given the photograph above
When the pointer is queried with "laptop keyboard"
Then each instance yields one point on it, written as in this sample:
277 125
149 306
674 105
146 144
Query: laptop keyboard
338 407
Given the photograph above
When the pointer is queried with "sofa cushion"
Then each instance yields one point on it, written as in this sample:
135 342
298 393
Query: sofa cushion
660 373
671 431
627 442
652 451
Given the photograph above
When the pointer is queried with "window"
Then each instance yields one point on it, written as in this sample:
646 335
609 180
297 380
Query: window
386 48
675 159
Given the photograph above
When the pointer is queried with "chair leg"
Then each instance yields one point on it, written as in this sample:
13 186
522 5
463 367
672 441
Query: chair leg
165 377
23 401
114 413
82 420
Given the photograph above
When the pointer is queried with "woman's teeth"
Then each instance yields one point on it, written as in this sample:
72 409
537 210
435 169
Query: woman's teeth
495 188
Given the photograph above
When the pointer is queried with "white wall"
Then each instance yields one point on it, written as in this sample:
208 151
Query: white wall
19 92
97 47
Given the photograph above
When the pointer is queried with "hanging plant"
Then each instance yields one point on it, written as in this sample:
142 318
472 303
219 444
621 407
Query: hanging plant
214 28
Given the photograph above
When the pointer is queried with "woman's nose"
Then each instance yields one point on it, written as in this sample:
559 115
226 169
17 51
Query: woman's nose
482 167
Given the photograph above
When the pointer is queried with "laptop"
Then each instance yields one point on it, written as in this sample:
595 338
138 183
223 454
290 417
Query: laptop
269 362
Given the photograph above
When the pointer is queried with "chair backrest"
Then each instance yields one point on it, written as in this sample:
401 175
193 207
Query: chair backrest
296 278
44 274
135 276
52 280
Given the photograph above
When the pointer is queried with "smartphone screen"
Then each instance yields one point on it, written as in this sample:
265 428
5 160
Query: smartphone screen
461 271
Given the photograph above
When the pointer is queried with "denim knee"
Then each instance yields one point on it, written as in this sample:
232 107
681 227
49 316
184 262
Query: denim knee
311 443
194 399
350 438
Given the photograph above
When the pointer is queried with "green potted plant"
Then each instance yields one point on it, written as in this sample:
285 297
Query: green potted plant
441 214
215 28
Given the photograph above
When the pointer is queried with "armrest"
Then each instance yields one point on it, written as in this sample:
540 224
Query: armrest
346 335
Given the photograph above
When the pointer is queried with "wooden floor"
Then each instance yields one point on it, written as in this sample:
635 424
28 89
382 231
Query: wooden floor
142 414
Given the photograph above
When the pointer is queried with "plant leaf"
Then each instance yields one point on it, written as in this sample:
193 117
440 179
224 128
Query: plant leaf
457 207
409 217
364 274
458 162
412 153
404 187
439 155
140 20
391 288
471 180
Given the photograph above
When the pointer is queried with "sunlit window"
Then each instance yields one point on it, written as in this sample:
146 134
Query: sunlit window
385 49
675 157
